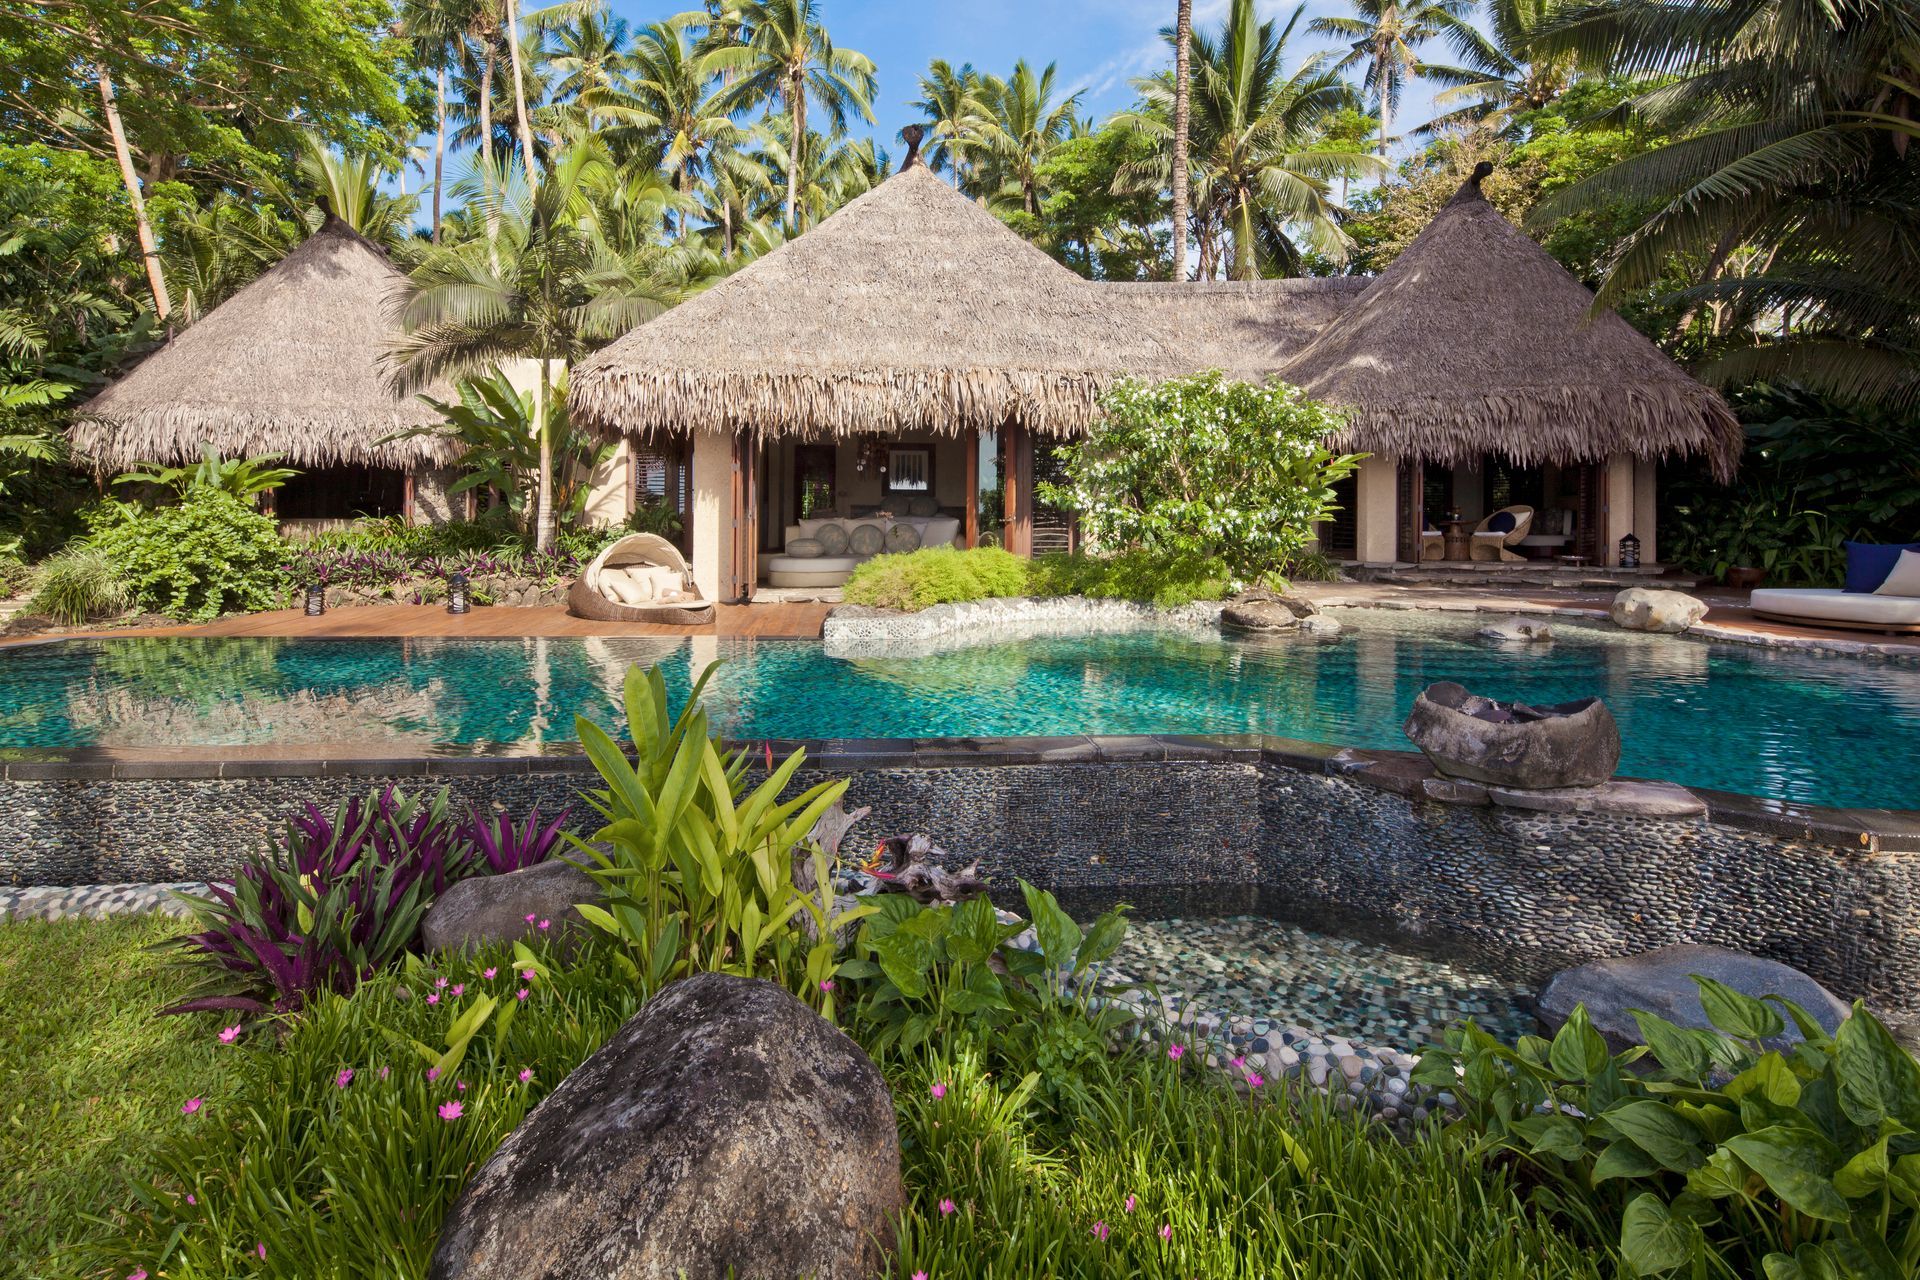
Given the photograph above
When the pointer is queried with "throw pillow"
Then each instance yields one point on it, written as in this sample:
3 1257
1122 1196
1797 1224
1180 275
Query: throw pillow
805 548
1502 522
867 540
902 538
1905 578
922 504
833 539
1869 563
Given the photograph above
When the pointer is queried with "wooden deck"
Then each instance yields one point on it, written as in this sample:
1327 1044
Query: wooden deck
765 621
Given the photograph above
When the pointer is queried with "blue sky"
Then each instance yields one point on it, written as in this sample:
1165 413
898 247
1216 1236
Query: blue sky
1100 45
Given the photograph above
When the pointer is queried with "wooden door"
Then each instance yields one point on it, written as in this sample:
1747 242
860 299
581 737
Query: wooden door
1410 500
744 559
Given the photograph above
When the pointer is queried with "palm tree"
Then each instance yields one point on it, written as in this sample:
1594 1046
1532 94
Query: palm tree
788 59
437 29
1498 75
350 185
1259 159
1386 35
834 168
551 289
1793 146
672 87
736 183
588 61
1182 120
1027 124
959 120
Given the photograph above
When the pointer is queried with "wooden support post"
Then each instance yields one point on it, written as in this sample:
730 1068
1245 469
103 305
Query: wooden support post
970 440
1019 501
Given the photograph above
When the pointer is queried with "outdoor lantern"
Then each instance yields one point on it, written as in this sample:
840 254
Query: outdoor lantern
457 601
1629 552
316 599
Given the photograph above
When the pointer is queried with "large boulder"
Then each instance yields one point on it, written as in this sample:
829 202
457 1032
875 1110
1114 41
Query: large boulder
726 1130
1651 609
1511 744
1260 612
1661 982
485 910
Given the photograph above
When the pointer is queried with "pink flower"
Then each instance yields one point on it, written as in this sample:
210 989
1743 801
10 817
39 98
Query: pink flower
526 1074
344 1079
1166 1231
136 1274
545 923
1101 1231
190 1199
1130 1203
826 984
1255 1080
1240 1061
529 917
192 1105
489 971
433 1073
434 998
459 989
440 982
521 994
947 1206
1176 1051
459 1086
451 1110
261 1249
918 1275
527 974
938 1091
229 1034
383 1073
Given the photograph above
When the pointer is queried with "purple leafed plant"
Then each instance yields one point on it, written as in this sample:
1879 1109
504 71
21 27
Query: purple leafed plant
505 847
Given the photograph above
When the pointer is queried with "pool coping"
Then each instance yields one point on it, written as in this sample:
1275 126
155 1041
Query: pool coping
1859 830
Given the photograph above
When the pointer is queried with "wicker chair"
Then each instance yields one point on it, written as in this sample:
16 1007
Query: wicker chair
1433 545
1491 543
587 599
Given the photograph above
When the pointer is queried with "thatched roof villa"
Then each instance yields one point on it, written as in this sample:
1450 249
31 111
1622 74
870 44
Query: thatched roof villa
290 365
902 357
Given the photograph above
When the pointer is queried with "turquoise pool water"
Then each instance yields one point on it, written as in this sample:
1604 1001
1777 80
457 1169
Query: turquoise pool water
1793 727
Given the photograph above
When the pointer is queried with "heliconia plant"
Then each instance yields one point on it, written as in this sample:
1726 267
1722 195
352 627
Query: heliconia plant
342 895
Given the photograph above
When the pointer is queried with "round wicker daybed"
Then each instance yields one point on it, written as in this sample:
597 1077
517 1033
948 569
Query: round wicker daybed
631 568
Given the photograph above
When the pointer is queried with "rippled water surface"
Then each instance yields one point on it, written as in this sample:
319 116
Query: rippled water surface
1788 726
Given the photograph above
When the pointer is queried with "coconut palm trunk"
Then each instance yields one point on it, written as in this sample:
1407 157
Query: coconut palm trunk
439 144
143 226
797 92
522 124
543 521
1182 114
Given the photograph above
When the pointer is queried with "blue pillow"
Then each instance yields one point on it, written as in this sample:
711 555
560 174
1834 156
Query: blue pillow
1503 522
1869 563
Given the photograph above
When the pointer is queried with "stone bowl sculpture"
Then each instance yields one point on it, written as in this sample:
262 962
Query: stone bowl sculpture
1512 744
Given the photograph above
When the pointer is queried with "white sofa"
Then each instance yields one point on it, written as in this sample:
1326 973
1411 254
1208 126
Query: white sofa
785 570
1831 607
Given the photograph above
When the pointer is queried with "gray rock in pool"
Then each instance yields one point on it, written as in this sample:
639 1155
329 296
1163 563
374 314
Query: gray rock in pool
489 909
1509 744
725 1130
1262 612
1525 630
1661 982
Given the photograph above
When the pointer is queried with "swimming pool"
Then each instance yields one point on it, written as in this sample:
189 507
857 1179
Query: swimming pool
1783 725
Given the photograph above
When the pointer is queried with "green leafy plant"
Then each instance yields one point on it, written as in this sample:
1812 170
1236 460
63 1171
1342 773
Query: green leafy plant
1715 1155
1166 579
1204 467
937 973
936 575
77 585
209 553
697 867
244 478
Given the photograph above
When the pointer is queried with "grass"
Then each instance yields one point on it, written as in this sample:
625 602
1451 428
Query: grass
352 1181
89 1076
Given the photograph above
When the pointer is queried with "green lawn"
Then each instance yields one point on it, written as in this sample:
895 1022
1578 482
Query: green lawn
88 1075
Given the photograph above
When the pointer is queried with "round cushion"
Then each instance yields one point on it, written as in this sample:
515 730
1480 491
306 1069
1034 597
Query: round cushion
867 540
922 504
902 538
805 548
832 538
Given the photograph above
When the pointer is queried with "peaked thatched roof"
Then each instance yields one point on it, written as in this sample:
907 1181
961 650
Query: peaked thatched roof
910 307
1247 329
289 365
1474 340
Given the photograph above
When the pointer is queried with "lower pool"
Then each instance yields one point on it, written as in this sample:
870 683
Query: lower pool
1783 725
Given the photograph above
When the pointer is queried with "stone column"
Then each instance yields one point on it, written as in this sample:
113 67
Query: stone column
432 504
709 523
1616 506
1376 498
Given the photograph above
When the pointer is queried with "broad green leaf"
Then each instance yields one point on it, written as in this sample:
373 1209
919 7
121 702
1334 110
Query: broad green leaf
1721 1176
1653 1240
1797 1166
1878 1079
1865 1174
1622 1159
975 932
1660 1131
1808 1262
1104 936
1556 1135
1578 1051
1736 1013
1058 935
1771 1078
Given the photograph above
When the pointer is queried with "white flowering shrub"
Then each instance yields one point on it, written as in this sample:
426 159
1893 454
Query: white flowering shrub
1205 466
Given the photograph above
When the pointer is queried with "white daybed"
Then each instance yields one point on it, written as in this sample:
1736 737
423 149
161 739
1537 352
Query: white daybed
832 570
1831 607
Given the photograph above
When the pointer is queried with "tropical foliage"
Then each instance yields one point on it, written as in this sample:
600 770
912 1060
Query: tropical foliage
936 575
208 553
1204 467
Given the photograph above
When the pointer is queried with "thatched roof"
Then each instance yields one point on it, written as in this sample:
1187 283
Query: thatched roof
290 365
1475 341
1247 329
911 307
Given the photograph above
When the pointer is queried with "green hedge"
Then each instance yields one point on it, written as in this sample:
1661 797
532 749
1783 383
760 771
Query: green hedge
942 575
936 575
